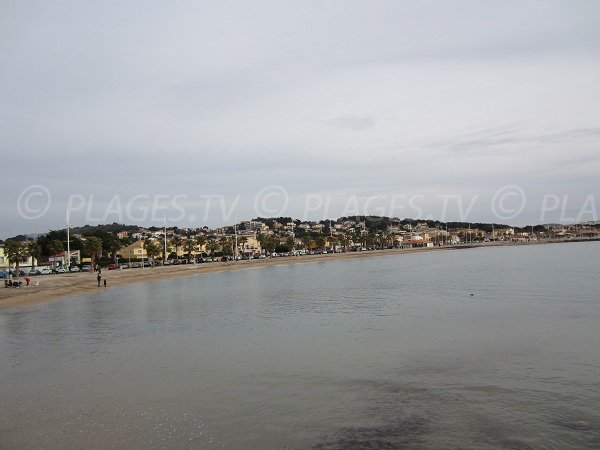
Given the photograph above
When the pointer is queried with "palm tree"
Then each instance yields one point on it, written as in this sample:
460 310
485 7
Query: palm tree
15 251
189 248
93 245
290 243
200 241
334 241
223 242
351 238
262 240
34 249
229 245
241 241
306 240
271 244
114 246
212 246
152 249
320 241
343 241
370 240
176 241
55 247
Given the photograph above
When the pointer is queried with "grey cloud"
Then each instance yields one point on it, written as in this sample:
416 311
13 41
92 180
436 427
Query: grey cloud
130 98
512 140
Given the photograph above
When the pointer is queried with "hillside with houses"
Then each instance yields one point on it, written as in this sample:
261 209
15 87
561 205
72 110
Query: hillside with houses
122 246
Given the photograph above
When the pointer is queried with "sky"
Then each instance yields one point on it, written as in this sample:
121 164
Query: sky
204 113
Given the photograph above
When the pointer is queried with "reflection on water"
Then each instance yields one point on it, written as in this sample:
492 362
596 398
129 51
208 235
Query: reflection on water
388 352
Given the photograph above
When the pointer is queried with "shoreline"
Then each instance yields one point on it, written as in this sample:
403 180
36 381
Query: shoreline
58 286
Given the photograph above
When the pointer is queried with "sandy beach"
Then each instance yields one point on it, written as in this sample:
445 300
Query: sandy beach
48 287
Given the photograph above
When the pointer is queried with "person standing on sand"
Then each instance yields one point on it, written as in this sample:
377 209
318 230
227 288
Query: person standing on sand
99 279
105 282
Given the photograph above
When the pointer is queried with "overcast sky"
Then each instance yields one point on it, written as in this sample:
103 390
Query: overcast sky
347 107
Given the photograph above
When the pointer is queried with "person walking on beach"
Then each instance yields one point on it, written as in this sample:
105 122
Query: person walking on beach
99 279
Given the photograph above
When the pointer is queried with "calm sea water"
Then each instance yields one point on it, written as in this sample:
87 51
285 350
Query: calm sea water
386 352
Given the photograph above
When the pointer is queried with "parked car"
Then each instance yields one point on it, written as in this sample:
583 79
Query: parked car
74 269
33 272
60 270
86 268
14 273
3 274
113 266
123 266
45 271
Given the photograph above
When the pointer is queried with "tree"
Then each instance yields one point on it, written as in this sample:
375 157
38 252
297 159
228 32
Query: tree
114 245
211 247
320 241
55 247
176 241
343 239
229 245
334 241
306 241
200 241
152 249
262 240
224 244
370 240
241 241
15 251
289 242
35 251
189 248
270 244
93 245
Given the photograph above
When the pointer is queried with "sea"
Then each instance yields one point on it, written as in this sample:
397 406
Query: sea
483 348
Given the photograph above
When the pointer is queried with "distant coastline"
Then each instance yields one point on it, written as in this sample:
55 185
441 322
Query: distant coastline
60 286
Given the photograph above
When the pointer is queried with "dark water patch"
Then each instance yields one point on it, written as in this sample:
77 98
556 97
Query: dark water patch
509 444
404 433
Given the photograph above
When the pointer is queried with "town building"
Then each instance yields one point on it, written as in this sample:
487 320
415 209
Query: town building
61 259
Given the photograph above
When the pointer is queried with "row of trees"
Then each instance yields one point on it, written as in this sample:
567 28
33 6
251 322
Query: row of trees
54 243
16 251
317 241
102 243
224 245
